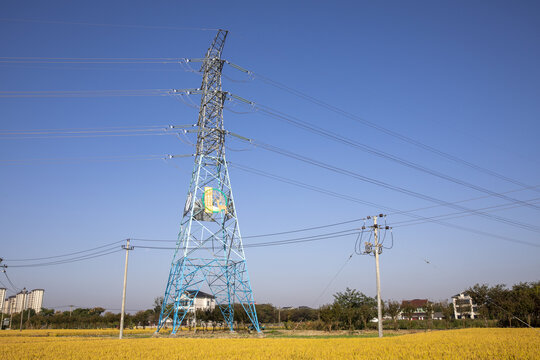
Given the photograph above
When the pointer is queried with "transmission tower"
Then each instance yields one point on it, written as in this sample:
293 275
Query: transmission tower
209 253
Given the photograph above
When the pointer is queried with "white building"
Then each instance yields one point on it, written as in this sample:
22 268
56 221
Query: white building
464 307
9 305
203 301
35 300
20 302
2 298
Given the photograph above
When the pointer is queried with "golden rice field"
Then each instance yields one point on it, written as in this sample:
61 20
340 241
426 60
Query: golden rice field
454 344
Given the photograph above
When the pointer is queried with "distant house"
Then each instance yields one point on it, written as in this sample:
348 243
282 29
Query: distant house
201 300
419 312
464 307
438 315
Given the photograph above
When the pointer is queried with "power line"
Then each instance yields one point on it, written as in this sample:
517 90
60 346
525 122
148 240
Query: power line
300 230
276 114
71 260
378 127
268 243
152 27
467 200
93 132
4 285
396 211
14 288
383 184
38 58
114 243
106 249
31 132
95 159
37 61
462 214
91 159
85 93
333 279
350 197
86 129
82 136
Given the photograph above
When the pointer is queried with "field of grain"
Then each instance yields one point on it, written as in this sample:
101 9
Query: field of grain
454 344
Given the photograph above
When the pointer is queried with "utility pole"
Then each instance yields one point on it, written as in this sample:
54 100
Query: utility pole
127 248
22 307
2 310
379 308
375 249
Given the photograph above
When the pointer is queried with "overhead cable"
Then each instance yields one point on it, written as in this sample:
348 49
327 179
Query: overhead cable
332 280
373 151
70 260
114 243
410 213
15 288
378 127
92 93
133 26
383 184
355 199
93 159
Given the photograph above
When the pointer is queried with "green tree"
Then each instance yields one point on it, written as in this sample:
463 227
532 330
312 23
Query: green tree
429 314
393 309
480 295
448 312
266 313
523 296
408 310
330 316
355 307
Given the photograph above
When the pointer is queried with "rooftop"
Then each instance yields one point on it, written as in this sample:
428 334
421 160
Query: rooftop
417 303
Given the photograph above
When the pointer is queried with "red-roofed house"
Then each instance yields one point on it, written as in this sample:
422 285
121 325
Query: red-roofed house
419 312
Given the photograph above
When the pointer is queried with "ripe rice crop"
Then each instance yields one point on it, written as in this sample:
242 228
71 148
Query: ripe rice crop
454 344
74 332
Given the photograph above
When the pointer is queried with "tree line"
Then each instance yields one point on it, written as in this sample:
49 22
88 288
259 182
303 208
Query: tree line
497 305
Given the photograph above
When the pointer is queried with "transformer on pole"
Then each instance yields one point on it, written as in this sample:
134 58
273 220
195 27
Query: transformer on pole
209 254
375 249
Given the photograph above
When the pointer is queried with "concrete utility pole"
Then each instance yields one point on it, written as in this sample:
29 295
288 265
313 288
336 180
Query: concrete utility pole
22 307
127 248
379 307
375 249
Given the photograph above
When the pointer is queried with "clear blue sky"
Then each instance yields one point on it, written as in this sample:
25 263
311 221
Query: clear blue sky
460 76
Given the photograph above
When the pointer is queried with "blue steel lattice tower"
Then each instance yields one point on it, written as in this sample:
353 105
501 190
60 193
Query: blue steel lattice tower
209 253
